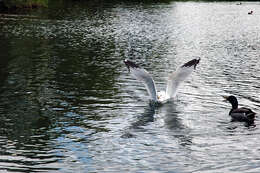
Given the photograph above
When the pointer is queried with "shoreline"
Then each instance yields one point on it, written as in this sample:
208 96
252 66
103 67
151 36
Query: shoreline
6 5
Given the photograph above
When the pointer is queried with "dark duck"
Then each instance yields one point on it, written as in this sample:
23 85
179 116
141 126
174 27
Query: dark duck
240 114
250 12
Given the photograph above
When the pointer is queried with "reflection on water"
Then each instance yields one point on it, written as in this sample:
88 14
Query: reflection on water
141 121
68 104
174 123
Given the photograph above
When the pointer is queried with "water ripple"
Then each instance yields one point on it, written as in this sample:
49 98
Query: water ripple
68 103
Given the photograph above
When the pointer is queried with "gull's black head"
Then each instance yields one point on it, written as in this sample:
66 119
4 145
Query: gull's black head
129 64
193 62
232 100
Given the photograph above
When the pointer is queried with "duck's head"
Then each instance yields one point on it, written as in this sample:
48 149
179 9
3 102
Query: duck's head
233 100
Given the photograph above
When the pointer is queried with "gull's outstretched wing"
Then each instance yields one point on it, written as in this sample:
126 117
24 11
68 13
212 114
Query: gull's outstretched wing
179 76
143 76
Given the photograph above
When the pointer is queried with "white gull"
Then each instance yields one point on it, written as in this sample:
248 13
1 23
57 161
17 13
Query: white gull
173 83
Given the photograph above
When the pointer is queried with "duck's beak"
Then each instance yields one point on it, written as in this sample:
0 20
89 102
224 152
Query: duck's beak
225 98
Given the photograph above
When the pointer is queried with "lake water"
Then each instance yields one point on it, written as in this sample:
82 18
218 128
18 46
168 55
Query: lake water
68 103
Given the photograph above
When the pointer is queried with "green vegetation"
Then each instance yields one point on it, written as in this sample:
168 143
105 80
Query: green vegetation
19 4
25 3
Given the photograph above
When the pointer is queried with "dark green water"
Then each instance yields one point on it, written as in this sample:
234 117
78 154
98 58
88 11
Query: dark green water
68 104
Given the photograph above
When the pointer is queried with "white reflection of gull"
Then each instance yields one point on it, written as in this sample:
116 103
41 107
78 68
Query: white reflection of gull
173 83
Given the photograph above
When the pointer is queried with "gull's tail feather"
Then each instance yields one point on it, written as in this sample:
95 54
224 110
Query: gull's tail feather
143 76
177 77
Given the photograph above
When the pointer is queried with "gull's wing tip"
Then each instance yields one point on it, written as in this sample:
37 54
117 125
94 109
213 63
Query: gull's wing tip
130 64
181 74
193 62
143 76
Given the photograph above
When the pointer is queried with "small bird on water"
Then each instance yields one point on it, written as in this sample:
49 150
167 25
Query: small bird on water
250 12
242 114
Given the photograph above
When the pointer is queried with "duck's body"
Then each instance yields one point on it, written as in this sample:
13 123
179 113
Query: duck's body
240 114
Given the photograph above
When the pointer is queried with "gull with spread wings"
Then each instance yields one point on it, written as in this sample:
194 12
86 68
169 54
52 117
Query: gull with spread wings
173 83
